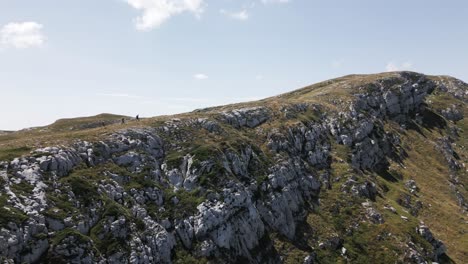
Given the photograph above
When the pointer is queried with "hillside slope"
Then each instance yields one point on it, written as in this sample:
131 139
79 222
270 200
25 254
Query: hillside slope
358 169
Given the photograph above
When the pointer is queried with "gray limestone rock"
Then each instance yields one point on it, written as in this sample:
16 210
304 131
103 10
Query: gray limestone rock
437 245
234 225
246 117
288 188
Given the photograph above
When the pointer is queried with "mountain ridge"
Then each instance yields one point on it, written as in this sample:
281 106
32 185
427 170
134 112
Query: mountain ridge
340 171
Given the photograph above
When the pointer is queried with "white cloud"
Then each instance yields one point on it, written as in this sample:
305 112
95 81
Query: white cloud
156 12
392 66
275 1
200 76
21 35
259 77
241 15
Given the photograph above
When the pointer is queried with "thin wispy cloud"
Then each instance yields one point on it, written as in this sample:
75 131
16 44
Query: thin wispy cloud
241 15
200 76
21 35
156 12
393 66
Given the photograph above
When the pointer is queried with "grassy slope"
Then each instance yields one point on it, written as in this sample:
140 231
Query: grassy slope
64 131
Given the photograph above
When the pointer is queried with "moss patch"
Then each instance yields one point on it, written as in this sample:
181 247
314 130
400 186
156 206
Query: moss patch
10 214
187 205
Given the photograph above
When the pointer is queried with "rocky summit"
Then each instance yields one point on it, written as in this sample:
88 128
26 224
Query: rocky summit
358 169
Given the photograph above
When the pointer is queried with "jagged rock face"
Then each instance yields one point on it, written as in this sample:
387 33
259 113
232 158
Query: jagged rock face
186 176
154 245
310 142
287 193
144 195
395 98
238 164
15 239
234 225
59 161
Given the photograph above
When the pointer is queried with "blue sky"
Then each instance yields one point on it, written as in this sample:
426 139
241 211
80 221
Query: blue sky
151 57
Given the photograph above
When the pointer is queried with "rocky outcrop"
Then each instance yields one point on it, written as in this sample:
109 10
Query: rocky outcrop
309 142
31 238
365 190
398 99
234 225
438 247
287 193
372 214
246 117
412 187
446 147
238 163
453 112
153 245
395 98
407 201
73 248
455 87
59 161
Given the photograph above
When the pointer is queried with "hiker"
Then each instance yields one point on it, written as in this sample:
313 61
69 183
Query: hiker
123 120
138 117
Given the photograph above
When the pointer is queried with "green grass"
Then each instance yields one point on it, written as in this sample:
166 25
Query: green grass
10 214
60 207
61 235
211 179
85 190
41 236
116 210
9 154
106 243
367 243
110 245
23 188
85 122
174 159
181 256
188 202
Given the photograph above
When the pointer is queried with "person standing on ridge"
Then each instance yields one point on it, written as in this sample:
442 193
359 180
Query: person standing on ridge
123 120
138 117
